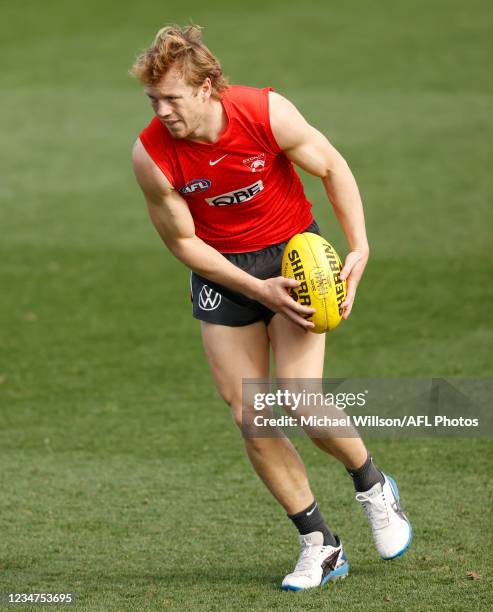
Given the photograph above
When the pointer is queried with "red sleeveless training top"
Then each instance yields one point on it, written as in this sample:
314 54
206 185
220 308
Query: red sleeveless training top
242 191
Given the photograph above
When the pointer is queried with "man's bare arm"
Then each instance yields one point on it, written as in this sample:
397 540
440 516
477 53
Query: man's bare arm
309 149
171 217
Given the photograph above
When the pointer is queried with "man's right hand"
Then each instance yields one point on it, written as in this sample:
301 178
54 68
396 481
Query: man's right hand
273 293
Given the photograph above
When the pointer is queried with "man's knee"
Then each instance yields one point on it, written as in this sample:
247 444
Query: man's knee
233 400
237 412
241 413
227 392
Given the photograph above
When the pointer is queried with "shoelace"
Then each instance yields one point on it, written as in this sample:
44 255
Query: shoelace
376 509
307 560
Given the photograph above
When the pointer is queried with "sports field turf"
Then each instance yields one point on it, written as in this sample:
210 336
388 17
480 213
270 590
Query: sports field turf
122 476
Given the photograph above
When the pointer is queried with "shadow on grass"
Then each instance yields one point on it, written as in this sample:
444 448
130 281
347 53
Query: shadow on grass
247 575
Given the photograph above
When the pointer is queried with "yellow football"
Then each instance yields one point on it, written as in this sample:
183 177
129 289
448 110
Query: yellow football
310 259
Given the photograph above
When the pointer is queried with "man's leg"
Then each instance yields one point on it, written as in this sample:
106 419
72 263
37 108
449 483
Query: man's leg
235 353
300 355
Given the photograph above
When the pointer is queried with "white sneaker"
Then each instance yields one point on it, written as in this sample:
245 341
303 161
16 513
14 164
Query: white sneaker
391 528
317 563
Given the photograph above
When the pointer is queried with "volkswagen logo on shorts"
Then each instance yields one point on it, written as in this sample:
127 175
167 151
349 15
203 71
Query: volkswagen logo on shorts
209 299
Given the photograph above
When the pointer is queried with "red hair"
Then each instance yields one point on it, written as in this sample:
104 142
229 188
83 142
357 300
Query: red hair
180 48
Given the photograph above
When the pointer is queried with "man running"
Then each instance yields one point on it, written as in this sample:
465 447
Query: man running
216 169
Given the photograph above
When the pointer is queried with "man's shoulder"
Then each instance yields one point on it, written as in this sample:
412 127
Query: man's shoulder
153 127
238 93
250 105
238 87
155 135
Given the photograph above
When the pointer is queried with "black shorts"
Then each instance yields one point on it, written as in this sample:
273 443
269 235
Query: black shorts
217 304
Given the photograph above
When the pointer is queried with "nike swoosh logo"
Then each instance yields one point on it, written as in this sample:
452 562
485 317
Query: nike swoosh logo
213 163
312 510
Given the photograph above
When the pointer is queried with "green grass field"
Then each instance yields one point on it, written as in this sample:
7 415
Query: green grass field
122 476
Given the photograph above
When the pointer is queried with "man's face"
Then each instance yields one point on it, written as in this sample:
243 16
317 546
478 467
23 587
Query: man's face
179 106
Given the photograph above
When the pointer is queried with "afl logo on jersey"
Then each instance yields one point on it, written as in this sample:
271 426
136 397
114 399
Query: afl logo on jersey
196 186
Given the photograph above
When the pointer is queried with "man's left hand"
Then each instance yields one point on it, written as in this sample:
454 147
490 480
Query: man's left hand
352 272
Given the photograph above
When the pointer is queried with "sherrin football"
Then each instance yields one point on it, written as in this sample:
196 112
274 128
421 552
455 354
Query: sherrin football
310 259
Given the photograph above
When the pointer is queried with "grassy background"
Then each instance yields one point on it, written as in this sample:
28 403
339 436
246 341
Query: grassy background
121 474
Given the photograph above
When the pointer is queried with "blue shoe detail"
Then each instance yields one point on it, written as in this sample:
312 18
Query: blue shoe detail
340 572
393 486
337 573
395 490
291 588
401 552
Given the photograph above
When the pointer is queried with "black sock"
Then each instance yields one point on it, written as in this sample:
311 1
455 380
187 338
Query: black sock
366 476
311 519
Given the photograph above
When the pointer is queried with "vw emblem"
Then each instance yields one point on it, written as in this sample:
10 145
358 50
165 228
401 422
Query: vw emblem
209 299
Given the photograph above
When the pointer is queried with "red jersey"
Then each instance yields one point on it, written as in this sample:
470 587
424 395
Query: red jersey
242 191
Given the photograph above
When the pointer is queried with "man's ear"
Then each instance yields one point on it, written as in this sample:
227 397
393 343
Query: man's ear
206 89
